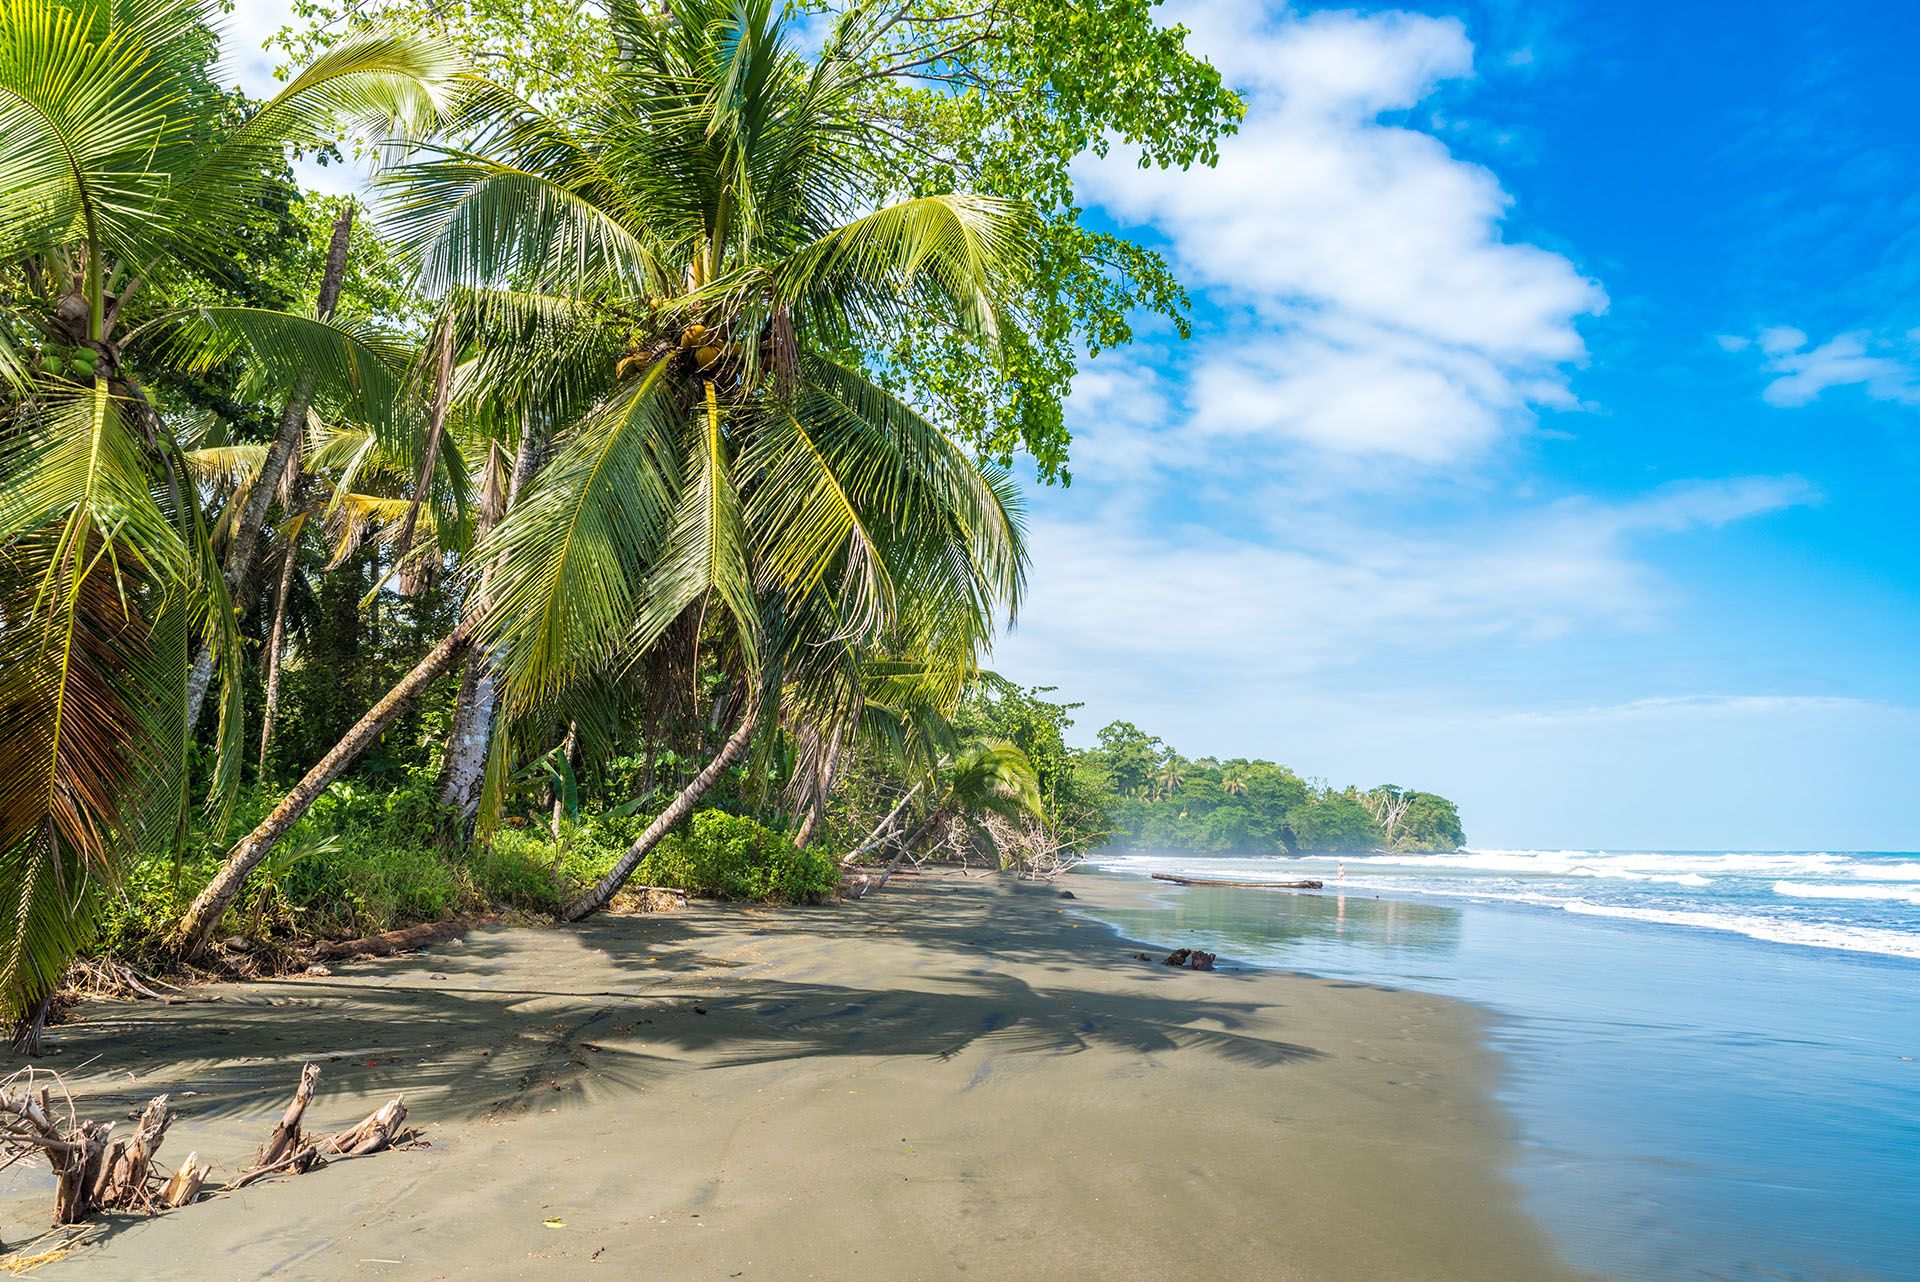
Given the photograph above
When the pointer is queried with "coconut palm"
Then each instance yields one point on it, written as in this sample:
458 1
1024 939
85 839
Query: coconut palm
707 251
108 186
981 777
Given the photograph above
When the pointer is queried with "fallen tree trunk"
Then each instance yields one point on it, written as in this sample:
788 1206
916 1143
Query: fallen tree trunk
1248 885
405 939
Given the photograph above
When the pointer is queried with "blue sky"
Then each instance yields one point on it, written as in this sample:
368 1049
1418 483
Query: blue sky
1550 432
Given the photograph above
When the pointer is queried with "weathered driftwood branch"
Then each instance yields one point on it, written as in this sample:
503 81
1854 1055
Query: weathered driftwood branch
126 1167
184 1185
94 1172
286 1133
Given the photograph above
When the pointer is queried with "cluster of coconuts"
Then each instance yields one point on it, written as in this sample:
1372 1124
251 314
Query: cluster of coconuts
79 363
705 345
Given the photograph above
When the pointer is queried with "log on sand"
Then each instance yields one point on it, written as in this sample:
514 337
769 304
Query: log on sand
404 940
1250 885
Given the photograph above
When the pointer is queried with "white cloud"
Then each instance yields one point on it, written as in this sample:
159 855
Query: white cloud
1394 317
1125 605
243 35
1852 359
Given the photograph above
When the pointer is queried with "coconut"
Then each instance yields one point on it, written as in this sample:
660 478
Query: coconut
693 335
705 356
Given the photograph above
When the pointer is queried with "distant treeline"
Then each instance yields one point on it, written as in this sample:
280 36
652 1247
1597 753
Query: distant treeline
1134 792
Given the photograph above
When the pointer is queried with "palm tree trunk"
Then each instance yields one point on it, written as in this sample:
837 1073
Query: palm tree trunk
559 794
412 577
679 808
238 567
471 736
196 928
276 640
817 803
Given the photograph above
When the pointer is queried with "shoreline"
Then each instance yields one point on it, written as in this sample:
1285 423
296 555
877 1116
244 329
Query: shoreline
957 1077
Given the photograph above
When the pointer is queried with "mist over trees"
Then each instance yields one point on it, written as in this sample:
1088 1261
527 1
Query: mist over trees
1132 791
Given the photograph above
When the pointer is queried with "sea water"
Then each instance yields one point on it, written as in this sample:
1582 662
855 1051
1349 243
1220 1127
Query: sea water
1713 1058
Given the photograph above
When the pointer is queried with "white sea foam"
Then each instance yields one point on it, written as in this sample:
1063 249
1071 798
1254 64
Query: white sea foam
1810 890
1779 930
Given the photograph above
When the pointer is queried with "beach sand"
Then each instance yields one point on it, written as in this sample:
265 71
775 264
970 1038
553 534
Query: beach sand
958 1078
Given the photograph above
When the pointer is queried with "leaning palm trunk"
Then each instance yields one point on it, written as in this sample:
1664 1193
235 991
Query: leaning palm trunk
276 641
879 834
285 449
817 801
196 928
681 806
912 839
471 736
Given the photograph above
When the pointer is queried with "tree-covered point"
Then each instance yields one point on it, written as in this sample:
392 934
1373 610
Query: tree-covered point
1131 791
1156 799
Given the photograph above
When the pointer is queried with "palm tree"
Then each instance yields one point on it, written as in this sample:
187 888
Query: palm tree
1171 775
982 777
701 251
1233 783
108 186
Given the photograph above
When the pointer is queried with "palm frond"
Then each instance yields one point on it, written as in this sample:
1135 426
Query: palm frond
564 567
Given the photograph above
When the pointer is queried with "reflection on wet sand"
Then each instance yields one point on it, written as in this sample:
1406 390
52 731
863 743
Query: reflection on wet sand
1269 923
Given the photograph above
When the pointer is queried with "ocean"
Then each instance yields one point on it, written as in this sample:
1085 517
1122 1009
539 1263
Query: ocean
1712 1059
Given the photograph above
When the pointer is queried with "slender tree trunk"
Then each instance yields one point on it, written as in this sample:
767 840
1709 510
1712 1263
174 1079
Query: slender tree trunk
679 808
937 815
469 739
413 579
197 927
880 830
276 642
817 803
238 567
559 794
471 735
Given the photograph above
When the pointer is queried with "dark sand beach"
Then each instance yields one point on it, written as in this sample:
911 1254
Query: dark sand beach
956 1079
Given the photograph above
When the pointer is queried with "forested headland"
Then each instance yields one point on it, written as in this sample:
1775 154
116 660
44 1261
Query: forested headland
1130 791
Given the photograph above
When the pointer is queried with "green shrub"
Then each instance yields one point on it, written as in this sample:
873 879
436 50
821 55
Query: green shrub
735 858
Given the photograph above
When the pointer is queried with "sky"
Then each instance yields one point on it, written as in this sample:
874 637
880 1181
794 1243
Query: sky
1549 436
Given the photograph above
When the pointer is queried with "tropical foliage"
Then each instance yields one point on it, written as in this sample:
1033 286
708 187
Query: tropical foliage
639 456
1156 799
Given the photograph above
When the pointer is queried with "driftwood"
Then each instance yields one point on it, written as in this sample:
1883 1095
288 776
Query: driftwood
184 1185
93 1172
1249 885
404 940
287 1152
126 1166
286 1133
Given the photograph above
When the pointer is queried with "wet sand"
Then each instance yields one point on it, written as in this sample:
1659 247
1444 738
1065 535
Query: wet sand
956 1079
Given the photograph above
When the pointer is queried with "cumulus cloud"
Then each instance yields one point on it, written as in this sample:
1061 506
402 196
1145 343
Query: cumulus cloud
1394 317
